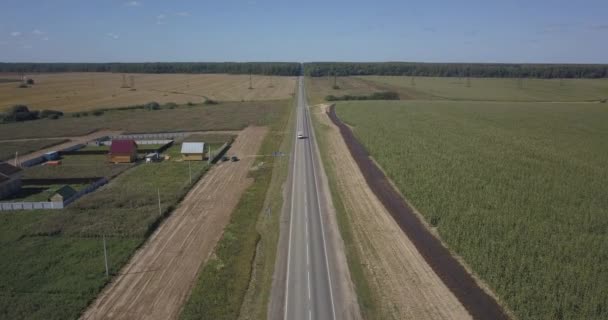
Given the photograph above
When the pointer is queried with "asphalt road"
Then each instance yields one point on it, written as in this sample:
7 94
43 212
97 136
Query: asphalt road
308 284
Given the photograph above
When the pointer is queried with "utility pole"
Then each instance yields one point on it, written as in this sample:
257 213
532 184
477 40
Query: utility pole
209 157
16 159
190 169
250 81
105 255
413 81
160 211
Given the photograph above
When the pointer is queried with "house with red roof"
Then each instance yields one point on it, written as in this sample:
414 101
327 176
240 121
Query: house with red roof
123 151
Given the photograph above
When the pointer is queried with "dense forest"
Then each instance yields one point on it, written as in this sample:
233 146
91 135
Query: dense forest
319 69
264 68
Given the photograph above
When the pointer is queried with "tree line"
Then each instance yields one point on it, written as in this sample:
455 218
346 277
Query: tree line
484 70
258 68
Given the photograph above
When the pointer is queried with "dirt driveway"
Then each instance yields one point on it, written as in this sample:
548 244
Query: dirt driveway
158 280
403 283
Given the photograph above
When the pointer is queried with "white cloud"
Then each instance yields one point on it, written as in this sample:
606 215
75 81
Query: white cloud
160 19
133 4
16 34
38 32
183 14
45 38
112 35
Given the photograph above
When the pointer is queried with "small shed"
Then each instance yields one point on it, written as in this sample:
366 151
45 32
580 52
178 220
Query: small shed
62 194
193 151
123 151
10 179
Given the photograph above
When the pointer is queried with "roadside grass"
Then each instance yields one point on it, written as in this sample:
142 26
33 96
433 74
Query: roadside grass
368 302
255 304
53 266
224 116
497 89
224 280
515 189
9 148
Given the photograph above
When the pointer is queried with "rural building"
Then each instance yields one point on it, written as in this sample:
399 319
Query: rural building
64 193
50 156
193 151
123 151
10 180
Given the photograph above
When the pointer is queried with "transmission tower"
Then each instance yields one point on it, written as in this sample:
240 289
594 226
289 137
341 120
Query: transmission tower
250 81
413 81
124 81
132 79
468 82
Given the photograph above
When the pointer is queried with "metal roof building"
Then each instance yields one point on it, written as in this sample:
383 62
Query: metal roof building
193 151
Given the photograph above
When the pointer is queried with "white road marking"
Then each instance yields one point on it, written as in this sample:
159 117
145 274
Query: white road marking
331 295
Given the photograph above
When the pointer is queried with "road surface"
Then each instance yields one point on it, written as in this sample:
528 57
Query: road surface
308 285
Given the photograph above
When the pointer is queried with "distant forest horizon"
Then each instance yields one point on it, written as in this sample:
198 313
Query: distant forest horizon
320 69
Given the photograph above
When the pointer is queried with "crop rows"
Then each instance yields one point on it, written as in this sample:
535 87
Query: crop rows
517 190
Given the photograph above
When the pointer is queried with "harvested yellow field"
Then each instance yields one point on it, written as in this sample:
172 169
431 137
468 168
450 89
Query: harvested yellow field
86 91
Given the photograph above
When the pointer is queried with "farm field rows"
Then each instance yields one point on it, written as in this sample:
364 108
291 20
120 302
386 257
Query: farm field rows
53 265
70 92
515 189
223 116
499 89
444 88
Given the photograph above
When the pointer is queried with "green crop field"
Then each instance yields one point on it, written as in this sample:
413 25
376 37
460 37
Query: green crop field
518 190
52 263
8 148
459 89
223 116
497 89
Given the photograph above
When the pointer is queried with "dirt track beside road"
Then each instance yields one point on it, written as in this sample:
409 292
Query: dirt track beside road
157 281
402 283
427 248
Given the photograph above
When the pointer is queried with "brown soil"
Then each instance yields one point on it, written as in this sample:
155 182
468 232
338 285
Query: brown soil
80 91
158 280
440 265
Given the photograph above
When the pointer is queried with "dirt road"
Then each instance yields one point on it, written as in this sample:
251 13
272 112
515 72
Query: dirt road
398 275
157 281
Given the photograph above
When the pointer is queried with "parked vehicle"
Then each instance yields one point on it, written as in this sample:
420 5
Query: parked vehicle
234 159
301 135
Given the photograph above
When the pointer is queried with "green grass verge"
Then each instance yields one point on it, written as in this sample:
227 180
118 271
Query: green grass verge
224 280
368 301
516 189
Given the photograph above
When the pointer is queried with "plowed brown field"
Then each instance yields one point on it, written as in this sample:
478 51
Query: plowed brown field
86 91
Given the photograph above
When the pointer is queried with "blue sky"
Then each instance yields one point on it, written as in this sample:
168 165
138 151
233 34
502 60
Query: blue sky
533 31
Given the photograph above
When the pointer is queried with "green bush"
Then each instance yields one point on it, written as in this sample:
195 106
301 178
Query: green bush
384 95
152 106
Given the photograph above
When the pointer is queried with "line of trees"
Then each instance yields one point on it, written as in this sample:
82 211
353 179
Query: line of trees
319 69
261 68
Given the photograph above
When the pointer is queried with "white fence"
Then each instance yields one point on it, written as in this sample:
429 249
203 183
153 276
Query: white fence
146 136
6 206
48 205
140 142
